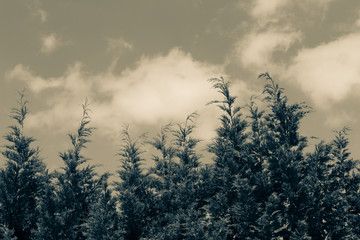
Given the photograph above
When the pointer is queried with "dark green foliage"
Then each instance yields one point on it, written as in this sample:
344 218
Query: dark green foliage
6 233
262 185
103 220
165 180
134 194
22 179
283 155
49 222
71 192
342 213
228 207
330 190
185 143
229 144
176 178
315 173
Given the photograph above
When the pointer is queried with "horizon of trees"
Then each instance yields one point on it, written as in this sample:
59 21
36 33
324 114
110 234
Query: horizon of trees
261 184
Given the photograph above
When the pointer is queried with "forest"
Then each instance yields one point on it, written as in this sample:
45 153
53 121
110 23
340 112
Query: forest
263 182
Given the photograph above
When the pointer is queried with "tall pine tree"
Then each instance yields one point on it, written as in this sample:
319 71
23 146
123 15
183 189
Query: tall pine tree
229 206
72 191
176 180
103 221
22 179
164 179
133 192
284 156
342 206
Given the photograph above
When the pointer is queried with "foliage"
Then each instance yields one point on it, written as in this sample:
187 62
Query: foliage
22 179
263 183
134 195
103 220
72 191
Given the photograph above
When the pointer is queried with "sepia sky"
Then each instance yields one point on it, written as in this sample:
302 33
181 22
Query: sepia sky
146 63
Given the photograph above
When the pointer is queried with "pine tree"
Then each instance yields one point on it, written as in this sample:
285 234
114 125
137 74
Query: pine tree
330 191
103 221
315 175
185 143
231 168
73 190
188 193
22 179
134 193
342 212
180 198
6 233
50 222
165 177
285 156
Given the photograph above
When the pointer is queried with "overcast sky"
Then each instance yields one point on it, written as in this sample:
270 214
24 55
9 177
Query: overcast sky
146 63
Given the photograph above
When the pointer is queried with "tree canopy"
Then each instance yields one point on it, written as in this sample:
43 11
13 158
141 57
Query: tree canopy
263 181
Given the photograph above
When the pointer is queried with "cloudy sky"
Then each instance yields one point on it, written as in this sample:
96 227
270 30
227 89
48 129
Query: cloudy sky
146 63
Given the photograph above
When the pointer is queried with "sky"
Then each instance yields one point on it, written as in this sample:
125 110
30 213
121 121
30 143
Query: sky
146 64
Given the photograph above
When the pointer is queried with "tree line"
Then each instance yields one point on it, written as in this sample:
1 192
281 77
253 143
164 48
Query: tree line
262 183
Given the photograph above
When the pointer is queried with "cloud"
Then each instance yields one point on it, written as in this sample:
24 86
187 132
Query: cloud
257 48
118 45
37 10
266 8
273 10
62 106
50 43
329 72
158 89
35 83
269 32
42 14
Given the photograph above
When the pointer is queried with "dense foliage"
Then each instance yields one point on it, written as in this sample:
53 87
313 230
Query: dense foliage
262 183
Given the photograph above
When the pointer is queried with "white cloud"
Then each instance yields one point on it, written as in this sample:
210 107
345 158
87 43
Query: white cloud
42 14
118 45
329 72
265 8
159 87
257 48
37 10
50 43
273 10
71 89
35 83
157 90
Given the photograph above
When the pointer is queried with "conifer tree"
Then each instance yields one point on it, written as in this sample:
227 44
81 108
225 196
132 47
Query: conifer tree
185 145
134 193
330 191
285 156
164 177
22 179
189 195
231 165
103 220
74 190
50 221
176 174
342 213
6 233
315 175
